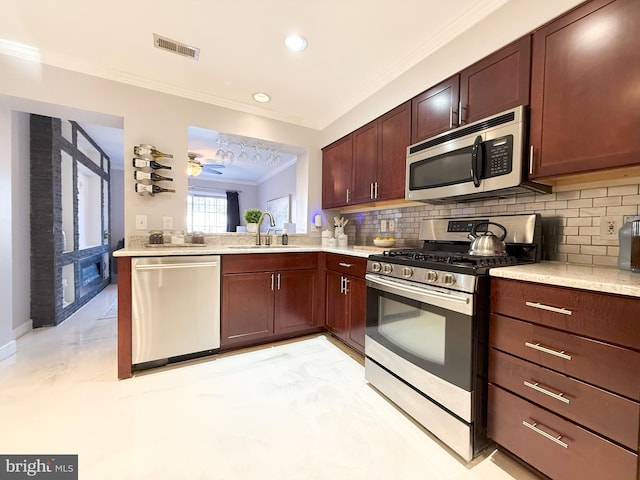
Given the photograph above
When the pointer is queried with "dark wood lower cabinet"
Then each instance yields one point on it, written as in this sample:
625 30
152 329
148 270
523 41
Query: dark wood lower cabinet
346 299
269 296
558 448
563 396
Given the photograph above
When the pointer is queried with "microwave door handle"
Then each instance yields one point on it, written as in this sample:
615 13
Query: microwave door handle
477 160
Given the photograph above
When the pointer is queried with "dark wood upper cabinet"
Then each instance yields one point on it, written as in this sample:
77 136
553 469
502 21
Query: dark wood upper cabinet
496 83
435 110
584 90
394 136
365 162
337 162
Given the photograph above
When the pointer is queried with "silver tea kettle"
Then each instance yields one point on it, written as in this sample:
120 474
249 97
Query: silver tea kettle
487 243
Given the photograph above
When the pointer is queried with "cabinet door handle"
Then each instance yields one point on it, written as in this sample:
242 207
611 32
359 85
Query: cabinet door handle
272 281
460 113
375 190
348 196
530 159
542 306
278 281
535 428
346 285
346 265
371 190
550 351
451 116
342 284
536 386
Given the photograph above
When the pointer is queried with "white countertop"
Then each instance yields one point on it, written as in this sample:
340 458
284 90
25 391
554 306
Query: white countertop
171 250
586 277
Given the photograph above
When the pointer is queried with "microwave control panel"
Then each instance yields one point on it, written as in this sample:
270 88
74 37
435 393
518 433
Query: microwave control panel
498 156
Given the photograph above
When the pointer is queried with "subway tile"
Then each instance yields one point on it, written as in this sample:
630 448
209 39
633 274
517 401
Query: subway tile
570 195
578 240
623 210
498 209
536 206
579 222
600 241
559 257
605 261
593 250
564 248
507 201
571 230
591 231
607 201
613 251
545 197
593 212
516 208
490 201
622 190
593 192
577 258
581 203
569 212
631 200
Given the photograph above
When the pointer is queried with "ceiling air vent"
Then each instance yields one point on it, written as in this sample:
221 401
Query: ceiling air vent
175 47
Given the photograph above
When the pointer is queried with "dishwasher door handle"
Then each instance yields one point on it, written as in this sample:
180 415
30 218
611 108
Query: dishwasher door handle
167 266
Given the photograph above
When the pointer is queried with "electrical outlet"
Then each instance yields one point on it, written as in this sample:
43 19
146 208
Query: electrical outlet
383 225
141 222
609 226
392 225
167 223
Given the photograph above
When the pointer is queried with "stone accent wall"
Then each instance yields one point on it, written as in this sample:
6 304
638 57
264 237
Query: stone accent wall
570 220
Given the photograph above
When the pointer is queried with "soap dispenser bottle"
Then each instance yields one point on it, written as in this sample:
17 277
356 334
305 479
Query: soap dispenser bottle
624 237
285 237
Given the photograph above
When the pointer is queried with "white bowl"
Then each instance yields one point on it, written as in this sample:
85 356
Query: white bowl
384 243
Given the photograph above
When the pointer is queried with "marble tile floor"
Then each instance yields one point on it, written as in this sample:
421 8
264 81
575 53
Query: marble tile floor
298 410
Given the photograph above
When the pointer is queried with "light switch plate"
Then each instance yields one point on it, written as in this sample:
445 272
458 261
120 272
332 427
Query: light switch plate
141 222
167 223
392 225
383 225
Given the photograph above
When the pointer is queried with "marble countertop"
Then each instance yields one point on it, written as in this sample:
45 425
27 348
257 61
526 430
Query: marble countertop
171 250
586 277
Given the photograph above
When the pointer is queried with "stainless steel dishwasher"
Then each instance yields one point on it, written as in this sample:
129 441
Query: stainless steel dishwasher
176 306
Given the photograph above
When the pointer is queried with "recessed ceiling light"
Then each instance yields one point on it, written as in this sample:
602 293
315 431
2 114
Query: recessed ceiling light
295 42
261 97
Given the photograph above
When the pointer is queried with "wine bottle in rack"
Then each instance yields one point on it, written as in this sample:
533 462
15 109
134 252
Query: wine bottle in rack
152 189
140 175
146 150
141 163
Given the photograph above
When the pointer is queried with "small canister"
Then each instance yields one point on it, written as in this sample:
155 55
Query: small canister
178 237
326 235
635 246
342 240
156 237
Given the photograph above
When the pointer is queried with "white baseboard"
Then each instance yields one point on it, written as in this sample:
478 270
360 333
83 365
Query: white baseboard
7 350
20 330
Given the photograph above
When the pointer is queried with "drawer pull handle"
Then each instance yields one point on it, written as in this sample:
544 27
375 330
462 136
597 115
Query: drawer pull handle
535 428
537 346
536 386
346 265
542 306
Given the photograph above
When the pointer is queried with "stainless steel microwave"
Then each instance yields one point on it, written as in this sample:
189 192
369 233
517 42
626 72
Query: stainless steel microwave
479 160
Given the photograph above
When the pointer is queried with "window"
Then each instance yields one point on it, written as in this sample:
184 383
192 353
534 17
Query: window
206 214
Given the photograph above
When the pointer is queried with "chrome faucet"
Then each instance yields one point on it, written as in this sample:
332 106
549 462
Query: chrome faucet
272 223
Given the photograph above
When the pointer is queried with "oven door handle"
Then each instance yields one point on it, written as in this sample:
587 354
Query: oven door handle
402 289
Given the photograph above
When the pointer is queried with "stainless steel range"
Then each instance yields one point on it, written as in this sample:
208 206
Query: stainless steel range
427 322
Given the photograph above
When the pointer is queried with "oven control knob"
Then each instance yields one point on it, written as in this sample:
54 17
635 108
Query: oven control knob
386 268
407 272
376 267
448 279
432 277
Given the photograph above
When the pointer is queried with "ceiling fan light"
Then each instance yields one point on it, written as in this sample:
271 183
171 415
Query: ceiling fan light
194 168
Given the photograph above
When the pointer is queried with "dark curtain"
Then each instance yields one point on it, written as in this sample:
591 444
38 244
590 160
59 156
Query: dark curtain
233 211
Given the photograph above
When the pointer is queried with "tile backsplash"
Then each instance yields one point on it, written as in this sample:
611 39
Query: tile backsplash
570 220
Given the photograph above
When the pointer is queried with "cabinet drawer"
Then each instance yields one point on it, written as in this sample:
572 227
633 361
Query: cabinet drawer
607 366
612 318
268 262
355 266
613 416
581 454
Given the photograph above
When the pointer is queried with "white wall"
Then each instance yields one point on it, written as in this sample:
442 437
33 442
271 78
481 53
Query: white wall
283 183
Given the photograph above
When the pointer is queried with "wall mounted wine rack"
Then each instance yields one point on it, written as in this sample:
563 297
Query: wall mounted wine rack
145 174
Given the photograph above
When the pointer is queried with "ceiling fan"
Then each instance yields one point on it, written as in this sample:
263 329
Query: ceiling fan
195 167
